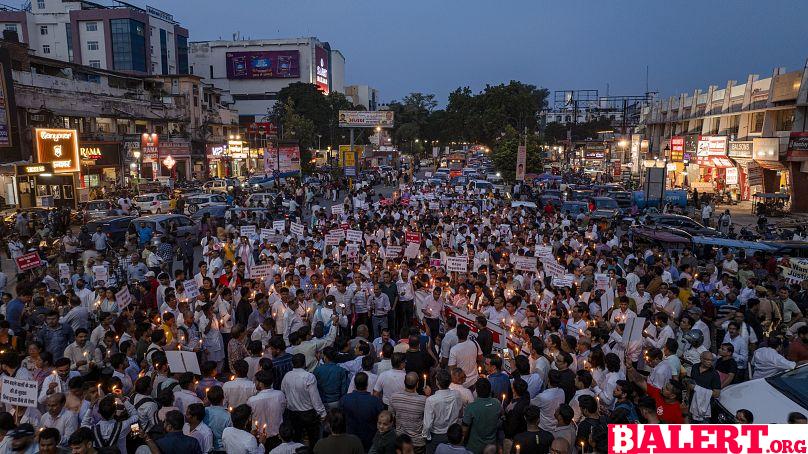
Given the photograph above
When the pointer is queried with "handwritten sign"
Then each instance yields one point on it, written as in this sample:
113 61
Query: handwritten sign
297 229
354 236
247 230
260 271
524 263
459 264
552 268
333 237
601 281
392 252
28 261
279 226
563 281
19 392
266 233
544 252
191 288
337 209
123 298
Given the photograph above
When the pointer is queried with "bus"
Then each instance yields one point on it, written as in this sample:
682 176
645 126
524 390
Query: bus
455 162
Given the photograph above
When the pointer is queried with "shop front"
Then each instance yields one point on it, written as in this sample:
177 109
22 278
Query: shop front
239 155
149 155
740 152
53 180
101 164
766 153
216 155
175 159
797 159
712 163
676 167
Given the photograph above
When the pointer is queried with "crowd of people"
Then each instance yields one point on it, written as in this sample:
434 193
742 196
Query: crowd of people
434 321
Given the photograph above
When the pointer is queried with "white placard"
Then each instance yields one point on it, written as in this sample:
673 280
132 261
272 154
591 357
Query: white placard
633 331
279 226
297 229
259 271
100 275
266 233
504 229
524 263
354 236
64 271
337 209
552 268
191 288
427 174
182 361
353 251
544 252
392 252
412 250
123 298
459 264
546 299
19 392
563 281
247 230
333 238
434 205
601 281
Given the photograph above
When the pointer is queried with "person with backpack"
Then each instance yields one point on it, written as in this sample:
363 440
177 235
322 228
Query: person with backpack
111 432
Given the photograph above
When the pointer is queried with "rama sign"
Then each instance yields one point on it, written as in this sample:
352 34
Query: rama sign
60 147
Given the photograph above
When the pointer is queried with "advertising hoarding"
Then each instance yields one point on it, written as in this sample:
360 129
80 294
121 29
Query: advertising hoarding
677 148
798 146
321 68
289 159
740 149
5 121
712 146
278 64
148 146
521 161
365 119
59 147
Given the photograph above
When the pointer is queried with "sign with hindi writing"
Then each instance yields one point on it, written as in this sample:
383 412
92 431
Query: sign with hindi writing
260 271
354 236
337 209
563 281
333 237
182 361
412 237
434 262
434 205
601 281
552 268
191 288
392 252
19 392
521 263
247 230
28 261
266 233
459 264
123 298
275 238
543 251
100 275
411 251
297 229
279 226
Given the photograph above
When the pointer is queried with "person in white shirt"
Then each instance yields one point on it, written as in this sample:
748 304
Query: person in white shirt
768 361
58 417
466 355
184 394
196 428
391 381
442 409
236 392
306 408
268 405
238 439
288 445
739 343
549 400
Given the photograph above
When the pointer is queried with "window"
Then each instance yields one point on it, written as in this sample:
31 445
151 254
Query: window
757 122
11 27
128 45
784 120
95 63
92 26
45 49
211 71
92 45
43 30
40 4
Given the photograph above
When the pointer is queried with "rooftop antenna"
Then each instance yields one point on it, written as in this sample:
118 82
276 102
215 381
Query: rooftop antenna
646 78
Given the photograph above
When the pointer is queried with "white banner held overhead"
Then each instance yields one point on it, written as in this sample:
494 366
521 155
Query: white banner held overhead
459 264
182 361
333 238
297 229
552 268
247 230
563 281
337 209
100 275
392 252
19 392
601 282
259 271
265 234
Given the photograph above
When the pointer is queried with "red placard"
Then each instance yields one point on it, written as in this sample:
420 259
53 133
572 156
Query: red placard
413 237
28 261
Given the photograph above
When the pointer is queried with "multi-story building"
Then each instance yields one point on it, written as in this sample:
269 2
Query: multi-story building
110 112
742 137
254 71
120 37
363 95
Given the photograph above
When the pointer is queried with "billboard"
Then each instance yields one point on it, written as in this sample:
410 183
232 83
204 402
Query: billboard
289 159
677 148
59 147
321 68
521 161
148 146
365 119
277 64
349 159
712 146
798 146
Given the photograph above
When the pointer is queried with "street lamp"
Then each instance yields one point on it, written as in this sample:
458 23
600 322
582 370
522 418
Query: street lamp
136 155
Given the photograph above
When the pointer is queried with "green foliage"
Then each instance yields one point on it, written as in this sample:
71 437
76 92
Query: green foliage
505 150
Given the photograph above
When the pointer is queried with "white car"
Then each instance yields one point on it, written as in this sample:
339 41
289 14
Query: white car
197 201
769 399
152 203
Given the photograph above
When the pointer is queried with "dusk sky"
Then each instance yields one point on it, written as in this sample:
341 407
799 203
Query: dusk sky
434 46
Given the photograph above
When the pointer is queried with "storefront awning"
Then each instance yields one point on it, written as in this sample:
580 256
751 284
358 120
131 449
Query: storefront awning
718 162
771 165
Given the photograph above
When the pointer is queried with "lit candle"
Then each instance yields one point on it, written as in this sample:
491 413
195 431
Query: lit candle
232 377
503 397
518 449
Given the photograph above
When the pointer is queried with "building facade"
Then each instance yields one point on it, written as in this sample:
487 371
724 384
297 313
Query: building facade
121 37
254 71
363 95
743 138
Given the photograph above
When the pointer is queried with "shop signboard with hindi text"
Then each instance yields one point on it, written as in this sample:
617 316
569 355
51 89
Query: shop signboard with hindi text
366 119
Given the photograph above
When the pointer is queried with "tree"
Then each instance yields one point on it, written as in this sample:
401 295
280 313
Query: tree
295 127
505 151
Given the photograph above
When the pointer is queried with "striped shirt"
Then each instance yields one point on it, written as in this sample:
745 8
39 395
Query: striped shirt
408 408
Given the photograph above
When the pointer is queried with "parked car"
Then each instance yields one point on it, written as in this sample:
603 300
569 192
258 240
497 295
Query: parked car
39 212
216 212
574 208
774 398
115 227
96 209
623 199
220 185
605 207
152 203
193 204
682 223
160 224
